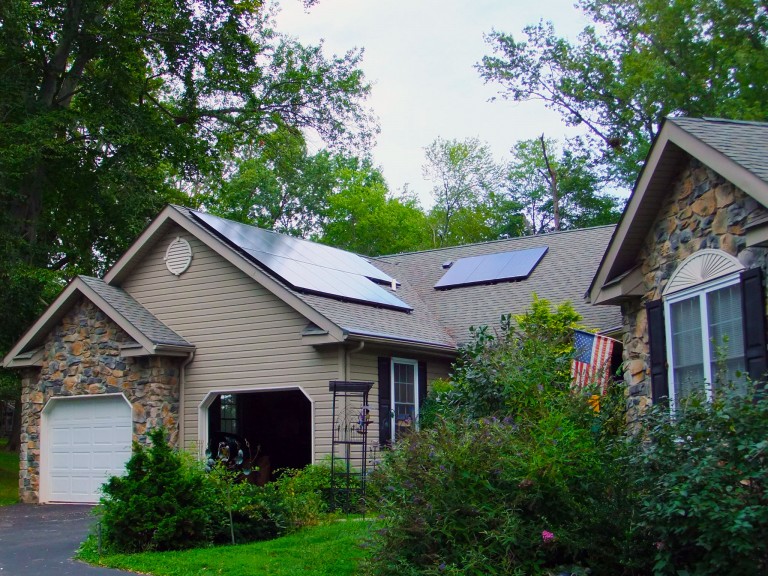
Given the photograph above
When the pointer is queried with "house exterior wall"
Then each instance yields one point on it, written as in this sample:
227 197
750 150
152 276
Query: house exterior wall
703 210
81 357
246 338
364 366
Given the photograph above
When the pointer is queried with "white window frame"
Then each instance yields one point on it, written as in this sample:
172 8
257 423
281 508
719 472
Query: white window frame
699 291
416 384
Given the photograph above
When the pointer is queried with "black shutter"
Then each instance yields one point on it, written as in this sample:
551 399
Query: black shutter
753 313
422 383
657 340
385 401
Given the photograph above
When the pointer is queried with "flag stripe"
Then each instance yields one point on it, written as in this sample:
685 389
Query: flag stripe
592 363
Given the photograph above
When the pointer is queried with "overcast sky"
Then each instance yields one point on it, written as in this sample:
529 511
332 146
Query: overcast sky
420 57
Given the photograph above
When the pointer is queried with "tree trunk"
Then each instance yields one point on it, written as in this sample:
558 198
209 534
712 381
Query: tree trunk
552 185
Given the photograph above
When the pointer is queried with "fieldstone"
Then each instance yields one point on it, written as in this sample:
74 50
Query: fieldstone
736 214
720 222
686 236
704 204
724 195
701 189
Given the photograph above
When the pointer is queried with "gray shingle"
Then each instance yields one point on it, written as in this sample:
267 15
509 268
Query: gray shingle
141 318
745 143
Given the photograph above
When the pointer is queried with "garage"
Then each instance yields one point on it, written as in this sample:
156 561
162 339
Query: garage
85 440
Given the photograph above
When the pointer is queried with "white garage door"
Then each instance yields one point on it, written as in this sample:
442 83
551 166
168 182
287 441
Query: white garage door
89 439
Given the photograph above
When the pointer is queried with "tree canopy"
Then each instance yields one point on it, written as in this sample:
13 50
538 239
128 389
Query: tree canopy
640 61
110 110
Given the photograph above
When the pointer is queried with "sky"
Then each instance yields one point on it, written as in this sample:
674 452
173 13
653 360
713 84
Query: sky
419 56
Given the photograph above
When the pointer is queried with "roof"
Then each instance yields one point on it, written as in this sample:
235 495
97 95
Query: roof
735 150
562 274
149 333
440 319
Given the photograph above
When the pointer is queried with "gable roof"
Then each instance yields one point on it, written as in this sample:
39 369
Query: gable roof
735 150
150 334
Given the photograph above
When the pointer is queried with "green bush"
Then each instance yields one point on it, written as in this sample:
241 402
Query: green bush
704 478
162 503
513 473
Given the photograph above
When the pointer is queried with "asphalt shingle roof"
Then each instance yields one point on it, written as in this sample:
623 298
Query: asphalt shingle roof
743 142
141 318
442 318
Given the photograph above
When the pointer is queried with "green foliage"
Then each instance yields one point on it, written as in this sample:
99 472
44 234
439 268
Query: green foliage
295 500
160 504
703 475
527 360
513 472
639 62
534 176
9 475
466 183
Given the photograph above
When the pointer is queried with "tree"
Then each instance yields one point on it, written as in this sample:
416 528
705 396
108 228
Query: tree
641 61
277 186
465 177
364 217
557 190
106 107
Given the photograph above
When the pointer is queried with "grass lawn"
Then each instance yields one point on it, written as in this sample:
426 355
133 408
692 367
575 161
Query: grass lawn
9 475
328 550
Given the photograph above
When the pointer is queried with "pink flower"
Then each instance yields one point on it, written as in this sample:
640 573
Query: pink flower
547 536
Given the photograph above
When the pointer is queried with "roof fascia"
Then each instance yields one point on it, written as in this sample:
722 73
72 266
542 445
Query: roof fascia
121 267
441 350
77 287
670 133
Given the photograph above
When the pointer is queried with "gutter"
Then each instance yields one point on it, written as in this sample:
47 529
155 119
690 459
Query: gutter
182 379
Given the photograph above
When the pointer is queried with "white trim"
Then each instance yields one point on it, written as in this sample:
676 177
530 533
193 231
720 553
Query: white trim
44 487
697 291
202 411
700 268
416 384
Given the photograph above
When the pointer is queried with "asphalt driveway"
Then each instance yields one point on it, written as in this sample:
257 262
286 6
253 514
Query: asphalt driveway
36 540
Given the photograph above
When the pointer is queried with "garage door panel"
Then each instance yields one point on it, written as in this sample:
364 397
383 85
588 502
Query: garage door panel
90 440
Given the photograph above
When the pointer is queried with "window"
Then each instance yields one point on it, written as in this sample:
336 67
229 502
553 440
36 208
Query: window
228 413
405 395
705 337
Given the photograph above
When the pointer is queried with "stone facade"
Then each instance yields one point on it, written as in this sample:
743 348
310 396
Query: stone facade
81 357
703 211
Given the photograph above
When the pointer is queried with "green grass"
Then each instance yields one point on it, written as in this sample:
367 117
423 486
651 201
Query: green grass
9 475
327 550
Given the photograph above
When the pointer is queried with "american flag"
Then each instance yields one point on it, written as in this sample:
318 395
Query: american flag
592 363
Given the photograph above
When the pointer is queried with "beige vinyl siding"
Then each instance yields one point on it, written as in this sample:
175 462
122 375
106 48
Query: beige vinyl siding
246 337
365 366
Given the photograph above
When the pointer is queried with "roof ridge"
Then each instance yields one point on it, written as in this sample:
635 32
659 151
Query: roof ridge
712 119
488 242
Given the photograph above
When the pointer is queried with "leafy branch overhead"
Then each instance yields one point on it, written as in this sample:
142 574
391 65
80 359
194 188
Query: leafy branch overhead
639 62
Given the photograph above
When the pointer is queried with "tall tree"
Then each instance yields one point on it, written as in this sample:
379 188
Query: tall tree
557 190
465 178
105 106
641 61
365 218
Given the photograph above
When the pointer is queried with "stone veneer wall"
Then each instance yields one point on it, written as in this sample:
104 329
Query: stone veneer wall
82 357
703 211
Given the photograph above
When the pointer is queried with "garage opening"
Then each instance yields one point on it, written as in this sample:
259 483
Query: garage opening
276 424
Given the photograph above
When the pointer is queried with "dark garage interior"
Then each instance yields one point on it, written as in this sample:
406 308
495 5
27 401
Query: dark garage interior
276 424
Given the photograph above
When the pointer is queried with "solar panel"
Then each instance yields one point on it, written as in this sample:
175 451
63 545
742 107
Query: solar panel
305 265
491 268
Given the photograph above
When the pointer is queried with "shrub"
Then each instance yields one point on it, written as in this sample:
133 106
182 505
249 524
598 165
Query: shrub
162 502
704 478
514 473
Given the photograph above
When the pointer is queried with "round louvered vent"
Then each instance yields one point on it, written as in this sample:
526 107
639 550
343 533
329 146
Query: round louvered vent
700 267
178 257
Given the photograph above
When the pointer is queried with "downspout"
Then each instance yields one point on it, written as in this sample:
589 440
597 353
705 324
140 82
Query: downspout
347 354
182 374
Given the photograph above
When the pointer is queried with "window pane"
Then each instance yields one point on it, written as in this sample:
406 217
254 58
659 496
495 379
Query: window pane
405 396
687 347
726 346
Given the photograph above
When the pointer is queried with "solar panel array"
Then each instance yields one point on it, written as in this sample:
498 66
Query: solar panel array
491 268
307 266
